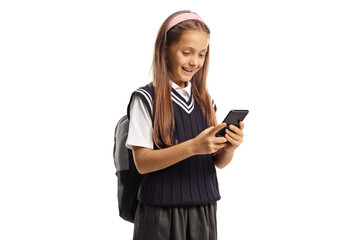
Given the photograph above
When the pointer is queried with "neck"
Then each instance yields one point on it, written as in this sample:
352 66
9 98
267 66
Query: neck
181 84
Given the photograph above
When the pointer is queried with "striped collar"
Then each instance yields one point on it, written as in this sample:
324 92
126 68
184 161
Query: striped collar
182 97
185 92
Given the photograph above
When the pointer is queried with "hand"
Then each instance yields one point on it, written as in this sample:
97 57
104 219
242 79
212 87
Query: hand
206 142
234 138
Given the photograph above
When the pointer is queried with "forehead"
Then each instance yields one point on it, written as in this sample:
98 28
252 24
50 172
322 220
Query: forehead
196 39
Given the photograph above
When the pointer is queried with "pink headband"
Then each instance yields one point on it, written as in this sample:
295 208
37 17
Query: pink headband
182 17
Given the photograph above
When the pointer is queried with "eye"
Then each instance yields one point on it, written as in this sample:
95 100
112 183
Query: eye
203 54
186 53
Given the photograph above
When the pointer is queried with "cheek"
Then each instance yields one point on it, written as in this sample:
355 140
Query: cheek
201 63
180 60
173 64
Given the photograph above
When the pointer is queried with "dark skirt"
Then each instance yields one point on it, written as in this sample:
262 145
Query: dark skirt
175 223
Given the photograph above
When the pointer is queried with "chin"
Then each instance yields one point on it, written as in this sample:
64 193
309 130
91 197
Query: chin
187 78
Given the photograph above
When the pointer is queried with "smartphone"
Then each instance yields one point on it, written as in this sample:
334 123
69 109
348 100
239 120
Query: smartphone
233 117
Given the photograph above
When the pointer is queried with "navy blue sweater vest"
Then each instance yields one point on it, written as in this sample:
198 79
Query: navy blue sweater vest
192 181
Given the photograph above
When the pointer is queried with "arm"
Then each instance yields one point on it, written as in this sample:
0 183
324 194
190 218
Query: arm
149 160
225 155
223 158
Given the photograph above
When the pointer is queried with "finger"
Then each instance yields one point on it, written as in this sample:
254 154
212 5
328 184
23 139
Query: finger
221 145
209 129
219 140
237 130
218 128
218 147
232 141
235 136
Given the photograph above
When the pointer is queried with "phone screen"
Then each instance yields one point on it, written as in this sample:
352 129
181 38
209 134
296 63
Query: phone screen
233 117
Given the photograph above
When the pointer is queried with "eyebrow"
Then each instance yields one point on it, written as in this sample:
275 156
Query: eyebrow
193 49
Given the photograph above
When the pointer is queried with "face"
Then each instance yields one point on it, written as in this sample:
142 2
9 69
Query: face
187 56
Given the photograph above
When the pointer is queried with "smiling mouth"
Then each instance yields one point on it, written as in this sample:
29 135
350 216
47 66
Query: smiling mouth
187 70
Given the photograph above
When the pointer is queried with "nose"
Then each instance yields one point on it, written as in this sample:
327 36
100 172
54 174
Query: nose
194 61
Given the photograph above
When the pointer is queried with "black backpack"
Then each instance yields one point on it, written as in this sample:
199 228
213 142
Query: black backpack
129 179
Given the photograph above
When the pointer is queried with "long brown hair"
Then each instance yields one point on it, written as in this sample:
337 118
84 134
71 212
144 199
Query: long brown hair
163 113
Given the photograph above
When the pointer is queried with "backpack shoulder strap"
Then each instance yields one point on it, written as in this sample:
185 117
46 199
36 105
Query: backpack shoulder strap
146 94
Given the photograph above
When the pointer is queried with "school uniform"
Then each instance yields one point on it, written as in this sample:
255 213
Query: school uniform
178 202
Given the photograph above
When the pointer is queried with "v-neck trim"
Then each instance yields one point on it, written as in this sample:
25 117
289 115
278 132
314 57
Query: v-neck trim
179 99
188 102
188 106
182 91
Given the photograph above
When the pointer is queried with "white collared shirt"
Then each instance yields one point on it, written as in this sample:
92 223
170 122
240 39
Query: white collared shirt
185 92
140 126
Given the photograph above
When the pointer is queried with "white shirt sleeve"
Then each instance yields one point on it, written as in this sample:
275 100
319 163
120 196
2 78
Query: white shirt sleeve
140 126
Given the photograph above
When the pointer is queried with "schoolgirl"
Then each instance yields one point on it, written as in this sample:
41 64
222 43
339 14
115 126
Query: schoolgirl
172 136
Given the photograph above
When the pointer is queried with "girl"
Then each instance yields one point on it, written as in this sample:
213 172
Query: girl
172 136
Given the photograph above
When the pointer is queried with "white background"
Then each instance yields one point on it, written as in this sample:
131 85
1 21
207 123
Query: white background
67 69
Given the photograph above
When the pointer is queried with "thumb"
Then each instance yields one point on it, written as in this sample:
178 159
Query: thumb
242 125
207 130
218 128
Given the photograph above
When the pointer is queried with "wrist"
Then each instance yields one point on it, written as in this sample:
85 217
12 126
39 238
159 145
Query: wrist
192 147
228 150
